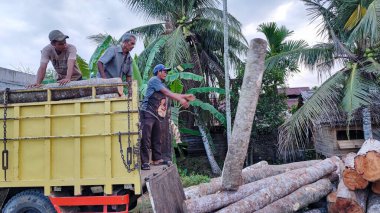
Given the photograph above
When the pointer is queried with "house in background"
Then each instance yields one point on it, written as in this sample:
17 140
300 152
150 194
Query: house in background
14 79
293 95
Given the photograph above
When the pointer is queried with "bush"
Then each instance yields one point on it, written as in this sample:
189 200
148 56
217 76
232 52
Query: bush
192 179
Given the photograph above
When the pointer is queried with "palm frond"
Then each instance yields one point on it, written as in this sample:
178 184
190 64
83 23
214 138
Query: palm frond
206 90
100 38
369 25
323 104
208 107
356 93
148 31
176 49
153 51
356 16
217 15
152 9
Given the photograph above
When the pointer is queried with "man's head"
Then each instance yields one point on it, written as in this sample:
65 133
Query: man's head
161 71
128 42
58 39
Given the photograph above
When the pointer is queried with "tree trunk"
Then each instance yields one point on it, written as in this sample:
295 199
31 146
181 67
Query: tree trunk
301 198
367 161
376 187
281 186
367 127
351 201
214 165
373 203
249 174
215 184
331 203
296 178
351 177
71 90
250 91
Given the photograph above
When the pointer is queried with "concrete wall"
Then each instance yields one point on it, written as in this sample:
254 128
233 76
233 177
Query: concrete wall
14 79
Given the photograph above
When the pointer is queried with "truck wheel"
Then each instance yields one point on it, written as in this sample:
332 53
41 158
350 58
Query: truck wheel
29 201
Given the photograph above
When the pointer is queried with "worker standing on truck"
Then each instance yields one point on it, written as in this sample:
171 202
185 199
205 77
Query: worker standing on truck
153 112
63 57
116 62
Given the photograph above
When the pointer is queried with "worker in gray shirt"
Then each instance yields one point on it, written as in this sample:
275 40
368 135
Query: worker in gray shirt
116 62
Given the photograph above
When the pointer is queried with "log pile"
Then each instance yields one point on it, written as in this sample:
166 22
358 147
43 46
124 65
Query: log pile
351 185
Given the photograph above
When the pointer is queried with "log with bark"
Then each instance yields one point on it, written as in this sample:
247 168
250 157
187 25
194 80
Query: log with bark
376 187
351 201
71 90
331 203
215 184
351 177
250 91
300 198
281 186
373 203
249 174
367 161
291 180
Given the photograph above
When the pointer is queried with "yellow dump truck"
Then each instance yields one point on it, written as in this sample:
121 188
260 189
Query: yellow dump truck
73 148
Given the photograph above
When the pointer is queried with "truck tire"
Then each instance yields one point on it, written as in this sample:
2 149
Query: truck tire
29 201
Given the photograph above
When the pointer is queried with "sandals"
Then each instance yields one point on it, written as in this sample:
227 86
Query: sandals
145 166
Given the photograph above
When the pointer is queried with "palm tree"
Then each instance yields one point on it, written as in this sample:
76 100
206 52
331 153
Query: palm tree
188 31
352 30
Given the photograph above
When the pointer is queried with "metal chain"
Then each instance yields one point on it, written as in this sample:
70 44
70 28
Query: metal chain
129 151
4 155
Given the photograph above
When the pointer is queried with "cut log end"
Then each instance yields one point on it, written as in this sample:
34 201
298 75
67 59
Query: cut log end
348 205
368 166
353 180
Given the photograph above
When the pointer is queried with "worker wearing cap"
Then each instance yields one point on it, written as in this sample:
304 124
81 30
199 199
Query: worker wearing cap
63 57
153 111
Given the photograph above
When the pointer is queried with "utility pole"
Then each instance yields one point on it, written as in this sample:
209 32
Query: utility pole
226 72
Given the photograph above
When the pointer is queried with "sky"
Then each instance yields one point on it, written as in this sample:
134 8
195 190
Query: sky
25 26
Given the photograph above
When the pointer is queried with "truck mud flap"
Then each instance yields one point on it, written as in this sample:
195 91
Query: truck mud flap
3 195
165 191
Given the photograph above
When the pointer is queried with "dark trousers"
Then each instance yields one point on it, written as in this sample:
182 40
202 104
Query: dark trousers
151 135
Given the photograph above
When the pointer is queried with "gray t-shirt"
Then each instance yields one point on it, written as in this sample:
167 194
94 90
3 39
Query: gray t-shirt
116 64
154 99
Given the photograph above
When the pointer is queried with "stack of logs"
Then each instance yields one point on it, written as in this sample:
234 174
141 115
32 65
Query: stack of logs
293 187
359 187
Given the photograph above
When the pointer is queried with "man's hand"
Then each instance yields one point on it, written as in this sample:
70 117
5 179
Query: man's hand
64 81
36 85
184 103
190 97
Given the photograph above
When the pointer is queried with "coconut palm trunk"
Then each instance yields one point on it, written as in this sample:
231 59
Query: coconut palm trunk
210 155
367 126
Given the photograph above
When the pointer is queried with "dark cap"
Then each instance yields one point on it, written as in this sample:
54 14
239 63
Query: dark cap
57 35
160 67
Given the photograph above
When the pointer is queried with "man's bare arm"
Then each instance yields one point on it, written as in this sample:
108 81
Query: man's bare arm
40 75
101 69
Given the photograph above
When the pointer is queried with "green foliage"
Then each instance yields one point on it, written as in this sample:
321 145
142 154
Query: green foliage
206 90
189 132
83 67
208 107
49 77
192 179
98 53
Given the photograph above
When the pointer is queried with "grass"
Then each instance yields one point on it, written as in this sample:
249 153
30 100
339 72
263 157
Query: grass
192 179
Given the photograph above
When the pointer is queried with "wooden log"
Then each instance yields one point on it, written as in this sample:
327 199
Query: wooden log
72 90
215 184
250 91
376 187
367 161
373 203
294 178
351 177
331 203
250 174
351 201
300 198
281 187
